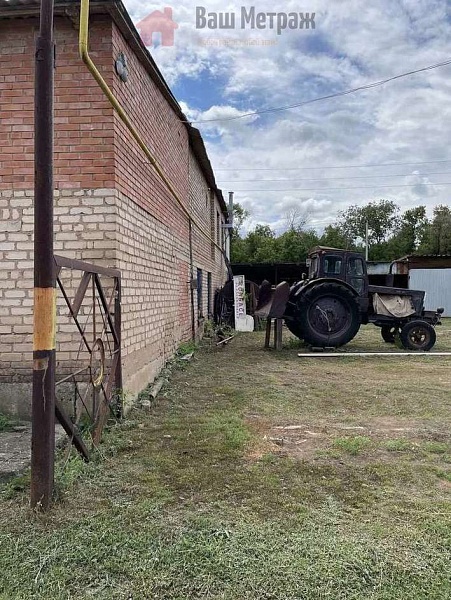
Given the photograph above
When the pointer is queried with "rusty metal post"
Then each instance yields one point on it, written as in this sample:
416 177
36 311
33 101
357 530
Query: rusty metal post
43 402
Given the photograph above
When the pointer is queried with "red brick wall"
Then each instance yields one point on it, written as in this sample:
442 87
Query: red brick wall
83 118
113 208
166 136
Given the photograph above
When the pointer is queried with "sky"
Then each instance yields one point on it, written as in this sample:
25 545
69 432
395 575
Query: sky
314 159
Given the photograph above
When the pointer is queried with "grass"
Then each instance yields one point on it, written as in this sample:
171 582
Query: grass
6 423
256 475
352 445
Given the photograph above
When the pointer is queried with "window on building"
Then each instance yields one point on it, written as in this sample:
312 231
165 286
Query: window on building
200 308
209 296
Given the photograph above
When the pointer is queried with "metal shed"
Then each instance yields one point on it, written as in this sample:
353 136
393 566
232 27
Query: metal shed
431 273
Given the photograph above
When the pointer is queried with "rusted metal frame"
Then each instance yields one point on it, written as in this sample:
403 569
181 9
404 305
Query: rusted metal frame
75 318
94 337
104 406
105 308
110 303
83 400
71 375
105 332
80 265
80 293
71 430
43 398
115 374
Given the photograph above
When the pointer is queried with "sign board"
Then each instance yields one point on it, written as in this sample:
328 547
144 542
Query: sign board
243 322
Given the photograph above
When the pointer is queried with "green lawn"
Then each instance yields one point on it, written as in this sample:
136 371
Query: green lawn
258 475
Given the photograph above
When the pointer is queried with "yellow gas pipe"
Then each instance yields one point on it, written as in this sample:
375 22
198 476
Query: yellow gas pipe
84 53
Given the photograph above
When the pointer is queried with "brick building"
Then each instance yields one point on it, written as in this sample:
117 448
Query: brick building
111 208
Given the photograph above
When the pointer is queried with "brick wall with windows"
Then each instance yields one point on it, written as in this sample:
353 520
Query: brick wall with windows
110 206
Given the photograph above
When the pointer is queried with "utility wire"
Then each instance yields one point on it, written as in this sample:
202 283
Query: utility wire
328 97
335 178
428 162
376 187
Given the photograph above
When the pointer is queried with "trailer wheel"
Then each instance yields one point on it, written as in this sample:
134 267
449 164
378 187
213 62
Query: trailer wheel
388 333
329 314
417 335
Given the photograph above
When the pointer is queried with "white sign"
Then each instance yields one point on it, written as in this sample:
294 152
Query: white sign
243 322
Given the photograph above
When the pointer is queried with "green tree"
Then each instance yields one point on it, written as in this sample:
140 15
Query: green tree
240 215
261 244
334 237
437 239
294 244
412 228
382 218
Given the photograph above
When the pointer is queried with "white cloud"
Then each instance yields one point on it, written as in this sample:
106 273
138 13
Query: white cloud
354 43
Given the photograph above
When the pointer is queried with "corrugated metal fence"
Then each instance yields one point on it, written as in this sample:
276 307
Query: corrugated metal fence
437 285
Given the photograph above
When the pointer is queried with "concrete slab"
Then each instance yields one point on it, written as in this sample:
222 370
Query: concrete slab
15 449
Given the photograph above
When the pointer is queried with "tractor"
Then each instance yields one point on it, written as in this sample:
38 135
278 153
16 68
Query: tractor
327 307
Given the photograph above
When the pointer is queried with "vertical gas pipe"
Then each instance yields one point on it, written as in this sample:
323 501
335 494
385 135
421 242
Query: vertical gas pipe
43 402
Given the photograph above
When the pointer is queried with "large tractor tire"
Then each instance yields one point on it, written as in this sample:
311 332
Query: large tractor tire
295 328
292 320
329 314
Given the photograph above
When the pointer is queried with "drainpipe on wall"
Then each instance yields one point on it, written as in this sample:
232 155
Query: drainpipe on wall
191 270
230 226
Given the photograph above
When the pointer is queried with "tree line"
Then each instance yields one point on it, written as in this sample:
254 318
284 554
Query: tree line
392 234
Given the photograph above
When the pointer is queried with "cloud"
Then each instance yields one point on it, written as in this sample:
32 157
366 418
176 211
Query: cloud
354 43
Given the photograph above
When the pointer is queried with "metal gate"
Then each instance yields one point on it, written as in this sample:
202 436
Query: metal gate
89 374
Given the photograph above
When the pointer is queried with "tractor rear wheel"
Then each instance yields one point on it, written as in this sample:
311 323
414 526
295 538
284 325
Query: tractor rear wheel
388 333
295 328
417 335
292 320
329 314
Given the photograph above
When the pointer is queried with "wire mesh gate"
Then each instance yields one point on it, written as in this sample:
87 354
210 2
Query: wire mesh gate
89 373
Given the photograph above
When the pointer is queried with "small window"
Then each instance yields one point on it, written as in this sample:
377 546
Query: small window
332 265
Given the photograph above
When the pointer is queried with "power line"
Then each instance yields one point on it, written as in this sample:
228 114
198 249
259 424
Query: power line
335 178
344 188
428 162
328 97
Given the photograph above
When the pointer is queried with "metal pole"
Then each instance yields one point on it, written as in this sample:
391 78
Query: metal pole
191 270
43 402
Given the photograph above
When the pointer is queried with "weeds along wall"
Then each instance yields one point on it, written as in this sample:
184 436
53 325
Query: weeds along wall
111 209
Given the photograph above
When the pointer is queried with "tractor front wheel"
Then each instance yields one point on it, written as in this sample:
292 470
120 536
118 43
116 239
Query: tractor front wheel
388 333
417 335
